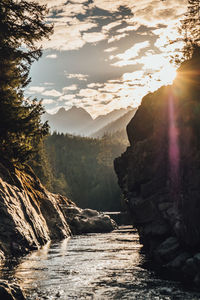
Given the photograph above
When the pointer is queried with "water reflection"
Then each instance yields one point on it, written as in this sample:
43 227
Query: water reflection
96 266
37 262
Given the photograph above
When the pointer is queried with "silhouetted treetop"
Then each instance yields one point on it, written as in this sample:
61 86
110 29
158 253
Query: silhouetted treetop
22 26
191 27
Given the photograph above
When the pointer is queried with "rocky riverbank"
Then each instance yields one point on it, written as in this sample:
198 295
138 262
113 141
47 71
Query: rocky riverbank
10 291
30 216
159 174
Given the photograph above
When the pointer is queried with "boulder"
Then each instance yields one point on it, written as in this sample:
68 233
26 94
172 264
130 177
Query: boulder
83 221
178 262
168 250
89 213
197 259
190 269
197 280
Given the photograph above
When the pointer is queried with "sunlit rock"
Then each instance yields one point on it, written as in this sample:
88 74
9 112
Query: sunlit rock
30 215
10 291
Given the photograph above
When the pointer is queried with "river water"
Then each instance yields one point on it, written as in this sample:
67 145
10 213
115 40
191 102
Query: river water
93 266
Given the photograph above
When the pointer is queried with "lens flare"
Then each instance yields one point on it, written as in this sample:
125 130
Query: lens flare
174 151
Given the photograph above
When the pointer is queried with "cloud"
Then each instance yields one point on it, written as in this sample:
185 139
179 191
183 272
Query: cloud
48 101
93 37
117 37
105 97
79 1
133 51
48 83
54 110
153 62
152 13
52 56
111 25
128 28
170 40
124 63
52 93
112 87
112 49
133 76
68 34
147 12
67 97
126 58
95 85
80 22
72 33
88 93
112 5
72 87
51 3
77 76
93 98
35 90
71 9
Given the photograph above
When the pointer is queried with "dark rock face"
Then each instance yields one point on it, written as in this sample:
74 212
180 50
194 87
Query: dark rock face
159 173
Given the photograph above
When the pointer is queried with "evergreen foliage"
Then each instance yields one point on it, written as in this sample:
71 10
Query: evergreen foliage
22 25
191 28
82 169
41 166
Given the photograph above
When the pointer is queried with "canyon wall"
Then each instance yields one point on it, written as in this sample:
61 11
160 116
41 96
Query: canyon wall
30 215
159 173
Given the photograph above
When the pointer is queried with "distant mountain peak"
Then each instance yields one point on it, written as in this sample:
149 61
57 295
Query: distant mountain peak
61 110
76 120
74 107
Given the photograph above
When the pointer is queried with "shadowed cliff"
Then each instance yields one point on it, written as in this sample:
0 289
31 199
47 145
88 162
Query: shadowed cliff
159 173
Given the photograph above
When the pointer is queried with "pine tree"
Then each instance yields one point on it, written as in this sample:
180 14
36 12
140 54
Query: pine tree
191 28
22 25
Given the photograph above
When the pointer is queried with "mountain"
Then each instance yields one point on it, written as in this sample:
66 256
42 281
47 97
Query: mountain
103 120
78 121
117 125
71 121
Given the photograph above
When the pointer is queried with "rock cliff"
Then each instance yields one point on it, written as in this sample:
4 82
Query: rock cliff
159 173
30 215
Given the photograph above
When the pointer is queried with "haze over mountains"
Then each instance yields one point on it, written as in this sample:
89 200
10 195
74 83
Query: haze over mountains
116 125
78 121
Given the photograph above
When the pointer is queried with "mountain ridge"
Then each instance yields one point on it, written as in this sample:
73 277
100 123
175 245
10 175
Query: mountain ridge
116 125
78 121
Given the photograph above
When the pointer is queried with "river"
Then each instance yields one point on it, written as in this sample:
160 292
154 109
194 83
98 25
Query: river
93 266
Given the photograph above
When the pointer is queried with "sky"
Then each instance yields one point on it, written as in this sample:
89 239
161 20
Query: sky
106 54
